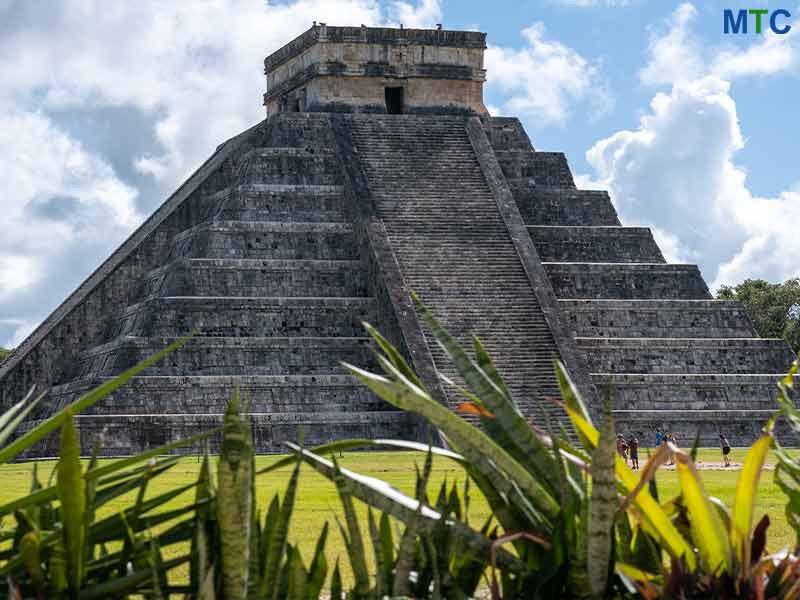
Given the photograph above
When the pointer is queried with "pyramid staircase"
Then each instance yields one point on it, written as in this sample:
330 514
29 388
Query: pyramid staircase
649 330
455 251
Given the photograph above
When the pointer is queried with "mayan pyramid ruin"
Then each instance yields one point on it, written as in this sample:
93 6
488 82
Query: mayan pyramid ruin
379 171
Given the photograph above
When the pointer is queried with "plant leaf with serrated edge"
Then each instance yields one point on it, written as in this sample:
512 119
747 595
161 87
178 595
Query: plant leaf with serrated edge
602 507
44 429
71 494
235 501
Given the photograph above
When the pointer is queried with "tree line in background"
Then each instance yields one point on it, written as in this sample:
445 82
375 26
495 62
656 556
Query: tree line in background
774 308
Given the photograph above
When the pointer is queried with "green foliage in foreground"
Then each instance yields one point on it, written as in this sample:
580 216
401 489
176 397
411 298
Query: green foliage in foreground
770 307
567 520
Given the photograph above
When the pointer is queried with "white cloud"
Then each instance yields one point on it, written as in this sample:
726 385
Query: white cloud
676 173
195 68
61 206
677 52
426 14
545 79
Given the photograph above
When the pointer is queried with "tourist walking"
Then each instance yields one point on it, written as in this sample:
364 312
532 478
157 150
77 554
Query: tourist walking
670 438
726 449
633 451
659 437
622 448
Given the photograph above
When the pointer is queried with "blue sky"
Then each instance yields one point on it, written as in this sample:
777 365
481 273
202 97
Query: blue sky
106 107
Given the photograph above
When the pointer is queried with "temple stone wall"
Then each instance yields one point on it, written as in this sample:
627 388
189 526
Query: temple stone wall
348 69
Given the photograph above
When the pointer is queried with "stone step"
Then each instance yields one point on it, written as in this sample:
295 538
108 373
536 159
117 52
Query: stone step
307 165
259 278
686 355
270 240
538 168
230 356
454 249
506 134
633 281
647 392
657 318
560 206
210 394
299 130
124 435
265 202
595 244
226 316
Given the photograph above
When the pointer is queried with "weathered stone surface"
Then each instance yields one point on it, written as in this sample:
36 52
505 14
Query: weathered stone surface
309 223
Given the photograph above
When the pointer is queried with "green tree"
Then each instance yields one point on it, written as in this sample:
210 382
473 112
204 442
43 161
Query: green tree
4 353
774 308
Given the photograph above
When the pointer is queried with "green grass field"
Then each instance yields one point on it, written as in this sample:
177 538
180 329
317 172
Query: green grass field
317 500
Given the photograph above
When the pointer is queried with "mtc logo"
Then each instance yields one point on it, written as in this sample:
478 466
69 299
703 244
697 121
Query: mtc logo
738 24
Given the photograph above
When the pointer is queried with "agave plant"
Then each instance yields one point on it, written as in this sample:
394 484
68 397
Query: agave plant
580 523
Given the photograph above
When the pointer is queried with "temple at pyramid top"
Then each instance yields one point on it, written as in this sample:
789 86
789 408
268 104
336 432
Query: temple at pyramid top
377 70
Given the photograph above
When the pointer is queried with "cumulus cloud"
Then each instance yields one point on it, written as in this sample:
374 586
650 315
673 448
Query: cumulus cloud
676 172
545 79
61 206
191 72
424 15
676 52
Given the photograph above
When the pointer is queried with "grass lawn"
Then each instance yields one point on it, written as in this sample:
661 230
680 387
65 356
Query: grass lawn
317 500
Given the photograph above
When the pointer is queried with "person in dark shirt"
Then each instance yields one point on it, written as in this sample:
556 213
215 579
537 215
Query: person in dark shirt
726 449
659 437
633 451
622 448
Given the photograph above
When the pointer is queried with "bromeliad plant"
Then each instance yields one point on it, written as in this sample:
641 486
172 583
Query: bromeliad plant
578 522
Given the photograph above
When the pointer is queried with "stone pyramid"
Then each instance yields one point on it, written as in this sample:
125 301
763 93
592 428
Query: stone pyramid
376 172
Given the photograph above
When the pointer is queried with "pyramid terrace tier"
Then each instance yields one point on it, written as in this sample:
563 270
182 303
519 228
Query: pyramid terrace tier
633 281
275 202
267 240
310 165
657 318
186 394
651 392
225 316
123 435
258 278
230 356
687 355
595 244
564 206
